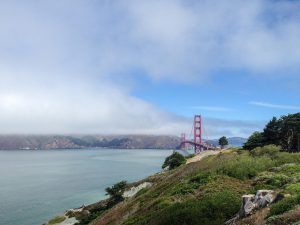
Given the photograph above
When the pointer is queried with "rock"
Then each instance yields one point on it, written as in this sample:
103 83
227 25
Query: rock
248 208
132 191
166 168
264 197
251 203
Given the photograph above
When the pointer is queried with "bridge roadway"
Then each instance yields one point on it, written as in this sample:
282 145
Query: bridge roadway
203 145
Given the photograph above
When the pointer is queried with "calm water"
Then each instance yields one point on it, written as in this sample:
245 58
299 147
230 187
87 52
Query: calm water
36 185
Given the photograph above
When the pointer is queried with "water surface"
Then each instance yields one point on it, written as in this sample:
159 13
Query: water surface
36 185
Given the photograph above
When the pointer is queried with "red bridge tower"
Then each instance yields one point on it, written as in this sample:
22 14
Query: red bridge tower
197 133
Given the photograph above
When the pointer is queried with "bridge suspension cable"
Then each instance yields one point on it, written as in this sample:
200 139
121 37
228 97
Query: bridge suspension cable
195 137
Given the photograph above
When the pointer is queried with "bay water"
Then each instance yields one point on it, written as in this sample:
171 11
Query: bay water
36 185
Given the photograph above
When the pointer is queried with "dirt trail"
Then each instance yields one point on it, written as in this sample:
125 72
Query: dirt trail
202 155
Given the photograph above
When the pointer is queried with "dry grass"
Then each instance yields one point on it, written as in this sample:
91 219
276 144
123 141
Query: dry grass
289 217
257 218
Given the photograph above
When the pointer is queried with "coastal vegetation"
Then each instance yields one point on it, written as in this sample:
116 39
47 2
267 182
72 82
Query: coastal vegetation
210 191
57 219
173 161
116 192
284 131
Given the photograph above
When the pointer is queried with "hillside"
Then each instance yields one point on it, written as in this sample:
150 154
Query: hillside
210 192
13 142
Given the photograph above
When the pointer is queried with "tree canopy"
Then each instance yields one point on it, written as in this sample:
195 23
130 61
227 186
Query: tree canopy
116 191
255 140
223 141
284 131
174 160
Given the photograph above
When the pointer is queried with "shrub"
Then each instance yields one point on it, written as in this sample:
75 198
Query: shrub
293 188
255 140
284 205
202 178
271 151
174 160
163 202
214 208
57 219
183 188
244 167
285 157
289 169
116 191
272 180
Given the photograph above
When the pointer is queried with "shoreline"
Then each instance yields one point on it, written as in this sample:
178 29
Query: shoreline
131 191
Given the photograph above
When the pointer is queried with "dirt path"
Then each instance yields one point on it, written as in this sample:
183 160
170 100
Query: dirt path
202 155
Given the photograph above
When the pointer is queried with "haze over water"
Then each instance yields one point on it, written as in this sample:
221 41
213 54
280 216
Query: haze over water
36 185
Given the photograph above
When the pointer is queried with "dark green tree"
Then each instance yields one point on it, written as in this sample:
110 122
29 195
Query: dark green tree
290 132
116 191
255 140
272 131
284 131
223 141
174 160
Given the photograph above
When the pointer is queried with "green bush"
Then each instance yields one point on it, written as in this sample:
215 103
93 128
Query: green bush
271 151
202 178
138 220
285 157
174 160
288 169
293 188
115 192
244 167
183 188
57 219
255 140
284 205
212 209
163 202
273 180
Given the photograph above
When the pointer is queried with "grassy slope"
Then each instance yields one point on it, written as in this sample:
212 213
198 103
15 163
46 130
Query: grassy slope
209 191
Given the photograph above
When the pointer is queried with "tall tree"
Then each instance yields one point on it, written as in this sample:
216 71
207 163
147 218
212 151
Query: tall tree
284 131
271 133
255 140
290 132
223 141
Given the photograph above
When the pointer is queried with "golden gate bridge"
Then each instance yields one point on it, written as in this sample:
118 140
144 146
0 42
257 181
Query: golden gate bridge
197 141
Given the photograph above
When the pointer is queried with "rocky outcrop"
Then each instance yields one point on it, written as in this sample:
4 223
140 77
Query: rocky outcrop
132 191
251 203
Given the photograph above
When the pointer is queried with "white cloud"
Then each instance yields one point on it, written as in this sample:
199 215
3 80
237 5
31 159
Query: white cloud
171 39
276 106
188 40
60 60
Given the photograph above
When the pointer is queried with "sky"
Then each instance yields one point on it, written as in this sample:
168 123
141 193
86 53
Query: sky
146 67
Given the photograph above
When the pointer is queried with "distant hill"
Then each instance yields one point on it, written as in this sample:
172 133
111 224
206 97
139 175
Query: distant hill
13 142
232 141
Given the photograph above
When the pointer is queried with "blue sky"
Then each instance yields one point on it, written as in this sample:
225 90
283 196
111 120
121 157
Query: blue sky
146 67
231 96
